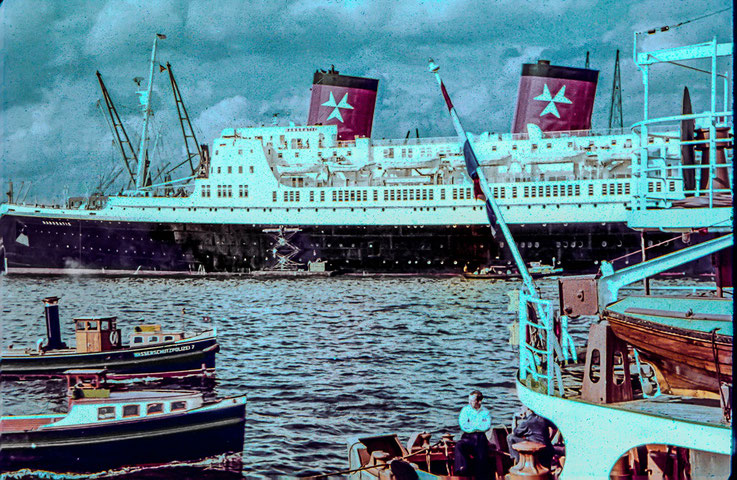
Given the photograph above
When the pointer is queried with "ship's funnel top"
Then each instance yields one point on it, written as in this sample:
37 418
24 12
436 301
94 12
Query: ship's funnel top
555 98
347 102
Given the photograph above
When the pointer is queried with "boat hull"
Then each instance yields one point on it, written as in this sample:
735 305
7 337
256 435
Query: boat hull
40 245
196 355
94 448
684 357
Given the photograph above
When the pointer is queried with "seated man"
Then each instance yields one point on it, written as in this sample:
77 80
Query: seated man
534 428
475 421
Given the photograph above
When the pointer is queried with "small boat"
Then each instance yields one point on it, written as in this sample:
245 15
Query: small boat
105 430
373 457
536 269
688 339
150 352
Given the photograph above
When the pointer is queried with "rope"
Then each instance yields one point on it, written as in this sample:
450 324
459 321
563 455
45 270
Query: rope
368 467
648 248
668 27
715 351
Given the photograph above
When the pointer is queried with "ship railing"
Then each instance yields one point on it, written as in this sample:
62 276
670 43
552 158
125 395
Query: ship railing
644 171
540 348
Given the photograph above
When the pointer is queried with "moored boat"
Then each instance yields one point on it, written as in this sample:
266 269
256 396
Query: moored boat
105 430
150 351
499 272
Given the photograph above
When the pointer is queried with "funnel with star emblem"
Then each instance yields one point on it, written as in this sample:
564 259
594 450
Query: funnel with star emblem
347 102
555 98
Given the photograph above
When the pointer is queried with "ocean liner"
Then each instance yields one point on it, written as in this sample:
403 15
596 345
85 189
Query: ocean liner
326 193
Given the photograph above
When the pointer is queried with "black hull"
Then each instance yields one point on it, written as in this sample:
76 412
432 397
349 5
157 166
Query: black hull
190 436
186 356
34 245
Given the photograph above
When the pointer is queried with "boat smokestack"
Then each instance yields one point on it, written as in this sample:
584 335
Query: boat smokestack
555 98
347 102
53 332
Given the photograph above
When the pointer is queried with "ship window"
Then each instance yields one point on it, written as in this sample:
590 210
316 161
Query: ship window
570 190
578 190
626 188
411 194
240 151
250 169
286 196
91 325
105 413
217 151
218 169
153 408
177 406
455 194
514 192
322 196
526 191
335 195
137 339
348 153
391 194
591 189
424 194
80 325
153 339
442 194
273 196
376 196
168 338
353 195
230 169
105 325
312 196
240 168
547 190
388 153
130 410
431 194
603 189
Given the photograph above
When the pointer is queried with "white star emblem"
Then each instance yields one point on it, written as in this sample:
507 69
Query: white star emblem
560 97
336 110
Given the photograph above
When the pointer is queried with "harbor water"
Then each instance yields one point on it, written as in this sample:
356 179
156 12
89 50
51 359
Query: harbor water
320 359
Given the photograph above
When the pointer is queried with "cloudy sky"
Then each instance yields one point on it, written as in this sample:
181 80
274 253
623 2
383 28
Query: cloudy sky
238 63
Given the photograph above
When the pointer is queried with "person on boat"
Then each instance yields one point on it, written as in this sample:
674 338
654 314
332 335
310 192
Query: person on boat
475 421
533 428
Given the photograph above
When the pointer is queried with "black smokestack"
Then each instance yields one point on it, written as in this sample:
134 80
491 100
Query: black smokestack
53 332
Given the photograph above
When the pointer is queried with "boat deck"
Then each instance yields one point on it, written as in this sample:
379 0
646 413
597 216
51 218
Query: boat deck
675 407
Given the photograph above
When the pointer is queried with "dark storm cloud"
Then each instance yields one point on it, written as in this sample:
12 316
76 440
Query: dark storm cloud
238 63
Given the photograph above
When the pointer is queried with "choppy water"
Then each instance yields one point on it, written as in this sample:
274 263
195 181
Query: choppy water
320 359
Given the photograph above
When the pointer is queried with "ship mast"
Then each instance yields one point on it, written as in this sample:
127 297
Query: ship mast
184 122
120 135
146 102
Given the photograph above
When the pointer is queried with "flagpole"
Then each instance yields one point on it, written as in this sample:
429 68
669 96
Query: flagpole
484 184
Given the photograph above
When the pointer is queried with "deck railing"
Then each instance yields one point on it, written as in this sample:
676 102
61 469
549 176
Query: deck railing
541 350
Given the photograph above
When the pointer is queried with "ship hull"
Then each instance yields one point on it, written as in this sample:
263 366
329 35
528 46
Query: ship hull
94 448
38 245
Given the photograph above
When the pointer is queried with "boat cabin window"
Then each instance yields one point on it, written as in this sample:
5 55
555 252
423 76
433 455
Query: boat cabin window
130 410
137 339
105 413
178 406
91 325
105 325
80 325
168 338
153 339
152 408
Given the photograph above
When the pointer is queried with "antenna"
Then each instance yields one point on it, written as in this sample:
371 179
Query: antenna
615 108
142 174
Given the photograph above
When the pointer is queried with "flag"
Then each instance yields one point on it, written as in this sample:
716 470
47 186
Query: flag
162 68
472 165
161 36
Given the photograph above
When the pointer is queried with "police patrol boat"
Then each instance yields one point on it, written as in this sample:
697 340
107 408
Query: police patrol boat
105 429
281 197
151 351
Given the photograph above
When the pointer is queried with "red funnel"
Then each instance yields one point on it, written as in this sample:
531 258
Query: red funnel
555 98
347 102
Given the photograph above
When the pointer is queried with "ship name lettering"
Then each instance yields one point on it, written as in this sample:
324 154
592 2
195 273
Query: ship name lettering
164 351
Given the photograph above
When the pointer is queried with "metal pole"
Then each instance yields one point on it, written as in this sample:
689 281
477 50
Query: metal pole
646 280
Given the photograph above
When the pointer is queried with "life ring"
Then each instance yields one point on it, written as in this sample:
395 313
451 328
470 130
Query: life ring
114 337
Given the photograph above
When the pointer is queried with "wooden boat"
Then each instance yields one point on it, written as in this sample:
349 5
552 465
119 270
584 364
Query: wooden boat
688 339
150 352
105 430
373 457
536 269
